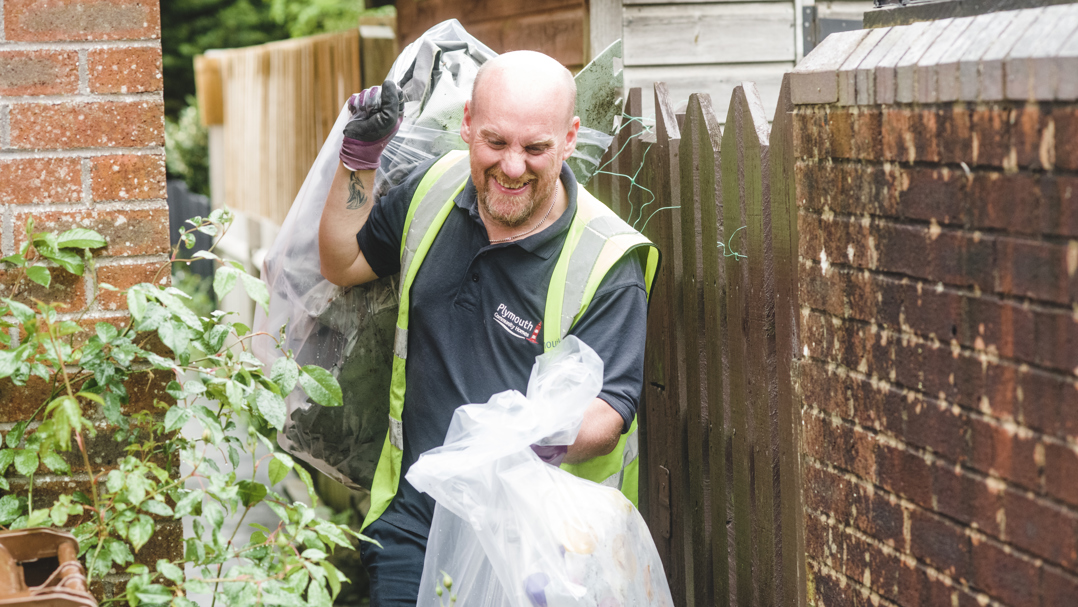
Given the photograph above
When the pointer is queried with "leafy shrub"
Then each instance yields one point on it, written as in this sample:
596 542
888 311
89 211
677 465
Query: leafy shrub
219 386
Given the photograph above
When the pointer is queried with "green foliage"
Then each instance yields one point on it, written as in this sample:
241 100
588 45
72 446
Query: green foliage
221 388
197 288
187 152
307 17
190 27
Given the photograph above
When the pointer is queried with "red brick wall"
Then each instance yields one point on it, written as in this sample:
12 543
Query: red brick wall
82 143
939 251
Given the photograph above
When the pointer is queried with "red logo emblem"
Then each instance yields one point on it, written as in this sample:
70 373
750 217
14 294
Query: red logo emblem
535 333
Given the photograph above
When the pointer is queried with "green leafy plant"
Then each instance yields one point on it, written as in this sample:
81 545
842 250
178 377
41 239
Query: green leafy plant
217 384
187 148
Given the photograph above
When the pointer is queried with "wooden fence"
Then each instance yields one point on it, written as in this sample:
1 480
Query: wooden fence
721 487
277 103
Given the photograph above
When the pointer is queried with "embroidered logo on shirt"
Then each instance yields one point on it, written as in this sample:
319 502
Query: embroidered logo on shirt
515 325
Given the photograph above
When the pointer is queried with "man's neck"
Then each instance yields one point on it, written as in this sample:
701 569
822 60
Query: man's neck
546 213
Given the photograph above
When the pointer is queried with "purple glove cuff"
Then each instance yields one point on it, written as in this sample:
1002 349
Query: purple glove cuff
551 454
359 155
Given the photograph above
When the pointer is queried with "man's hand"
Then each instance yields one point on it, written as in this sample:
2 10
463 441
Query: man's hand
376 116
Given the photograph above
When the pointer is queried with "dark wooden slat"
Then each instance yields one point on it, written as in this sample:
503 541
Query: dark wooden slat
658 376
763 435
665 212
697 158
733 194
787 338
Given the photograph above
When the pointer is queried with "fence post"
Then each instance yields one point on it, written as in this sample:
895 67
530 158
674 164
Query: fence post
787 345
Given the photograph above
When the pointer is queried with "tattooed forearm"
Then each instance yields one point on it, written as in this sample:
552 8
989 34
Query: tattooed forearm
357 198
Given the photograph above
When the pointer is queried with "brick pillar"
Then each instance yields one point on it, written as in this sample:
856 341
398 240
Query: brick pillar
81 144
939 284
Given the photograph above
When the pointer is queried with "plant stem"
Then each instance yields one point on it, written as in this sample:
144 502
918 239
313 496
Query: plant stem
222 565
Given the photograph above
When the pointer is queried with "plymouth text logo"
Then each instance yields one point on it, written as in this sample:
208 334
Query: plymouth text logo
515 325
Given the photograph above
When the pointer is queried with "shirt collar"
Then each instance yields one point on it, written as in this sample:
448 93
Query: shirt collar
543 244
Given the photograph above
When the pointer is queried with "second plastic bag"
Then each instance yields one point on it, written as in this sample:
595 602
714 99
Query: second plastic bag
512 531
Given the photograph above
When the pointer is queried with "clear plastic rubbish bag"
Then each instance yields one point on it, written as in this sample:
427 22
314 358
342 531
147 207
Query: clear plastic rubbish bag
512 531
350 331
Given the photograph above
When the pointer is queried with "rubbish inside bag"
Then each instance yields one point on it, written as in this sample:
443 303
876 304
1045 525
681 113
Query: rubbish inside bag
351 331
512 531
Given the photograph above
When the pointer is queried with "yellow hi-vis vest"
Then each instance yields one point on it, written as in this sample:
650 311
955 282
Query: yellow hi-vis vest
597 239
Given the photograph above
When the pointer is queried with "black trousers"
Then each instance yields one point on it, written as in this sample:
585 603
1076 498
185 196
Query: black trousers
396 568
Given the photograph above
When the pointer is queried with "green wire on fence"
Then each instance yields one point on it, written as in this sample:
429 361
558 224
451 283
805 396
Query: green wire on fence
727 250
626 120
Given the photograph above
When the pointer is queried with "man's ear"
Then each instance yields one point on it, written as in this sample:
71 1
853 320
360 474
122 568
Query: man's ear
466 124
570 138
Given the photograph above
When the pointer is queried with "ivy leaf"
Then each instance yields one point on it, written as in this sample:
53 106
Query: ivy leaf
26 461
117 551
225 280
15 436
317 596
170 571
80 238
272 407
320 386
11 508
284 373
256 290
156 507
40 275
251 492
278 469
139 531
136 303
37 517
54 462
7 456
176 335
176 418
334 579
190 504
58 514
106 331
20 311
65 259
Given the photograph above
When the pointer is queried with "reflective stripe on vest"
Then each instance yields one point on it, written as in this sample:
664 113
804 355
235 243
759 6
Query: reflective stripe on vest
601 237
430 205
597 239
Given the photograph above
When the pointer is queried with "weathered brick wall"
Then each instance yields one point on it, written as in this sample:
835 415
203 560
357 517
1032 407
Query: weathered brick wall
81 144
939 251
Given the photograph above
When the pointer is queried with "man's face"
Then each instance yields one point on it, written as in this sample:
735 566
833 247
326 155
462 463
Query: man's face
517 148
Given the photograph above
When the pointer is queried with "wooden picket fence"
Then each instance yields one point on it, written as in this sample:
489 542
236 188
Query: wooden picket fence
720 474
277 103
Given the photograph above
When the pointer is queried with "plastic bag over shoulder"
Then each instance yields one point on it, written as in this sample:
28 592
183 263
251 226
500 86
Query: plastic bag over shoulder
512 531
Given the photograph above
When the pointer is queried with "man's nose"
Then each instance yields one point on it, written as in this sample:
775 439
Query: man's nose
513 165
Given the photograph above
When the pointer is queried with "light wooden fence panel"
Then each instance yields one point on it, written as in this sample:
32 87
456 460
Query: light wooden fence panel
280 102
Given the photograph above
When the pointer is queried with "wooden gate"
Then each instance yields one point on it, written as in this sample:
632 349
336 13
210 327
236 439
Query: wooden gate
720 480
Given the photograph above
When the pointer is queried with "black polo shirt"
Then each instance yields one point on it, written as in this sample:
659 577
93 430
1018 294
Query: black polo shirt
475 307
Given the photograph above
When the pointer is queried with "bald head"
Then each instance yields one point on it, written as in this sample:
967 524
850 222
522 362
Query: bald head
520 76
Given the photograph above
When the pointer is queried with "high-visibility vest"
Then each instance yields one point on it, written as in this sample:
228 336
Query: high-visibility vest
597 239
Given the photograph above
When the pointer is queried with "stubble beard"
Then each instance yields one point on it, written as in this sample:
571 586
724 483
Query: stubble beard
514 211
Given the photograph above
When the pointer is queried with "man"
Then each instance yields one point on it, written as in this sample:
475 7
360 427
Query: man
476 304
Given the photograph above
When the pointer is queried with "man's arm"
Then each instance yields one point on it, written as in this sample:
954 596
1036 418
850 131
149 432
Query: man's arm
375 118
599 433
348 206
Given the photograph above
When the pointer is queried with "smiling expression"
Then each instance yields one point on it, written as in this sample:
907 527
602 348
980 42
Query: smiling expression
519 128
